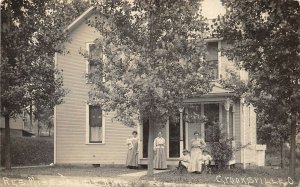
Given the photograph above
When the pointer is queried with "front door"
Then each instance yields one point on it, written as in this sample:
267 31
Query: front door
174 137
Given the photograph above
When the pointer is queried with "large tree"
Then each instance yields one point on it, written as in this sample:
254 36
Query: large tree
150 57
31 32
264 39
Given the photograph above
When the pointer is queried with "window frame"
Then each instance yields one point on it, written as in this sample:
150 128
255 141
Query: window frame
88 130
218 41
87 70
87 62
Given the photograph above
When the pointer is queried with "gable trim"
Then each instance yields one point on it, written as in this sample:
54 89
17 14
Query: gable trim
80 19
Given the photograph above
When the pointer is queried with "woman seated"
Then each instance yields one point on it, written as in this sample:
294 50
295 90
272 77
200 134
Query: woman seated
184 161
206 160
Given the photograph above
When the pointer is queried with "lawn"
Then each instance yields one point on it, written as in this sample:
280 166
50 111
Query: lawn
257 176
79 170
27 151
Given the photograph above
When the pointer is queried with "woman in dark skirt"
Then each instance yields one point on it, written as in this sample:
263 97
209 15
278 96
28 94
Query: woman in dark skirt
132 154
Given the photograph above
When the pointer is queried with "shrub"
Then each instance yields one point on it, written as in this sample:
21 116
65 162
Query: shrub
30 151
221 148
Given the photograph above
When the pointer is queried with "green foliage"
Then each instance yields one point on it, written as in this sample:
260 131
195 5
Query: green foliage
31 33
264 40
149 53
221 149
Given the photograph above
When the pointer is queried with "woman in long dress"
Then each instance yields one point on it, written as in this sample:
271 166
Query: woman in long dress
160 159
197 144
132 154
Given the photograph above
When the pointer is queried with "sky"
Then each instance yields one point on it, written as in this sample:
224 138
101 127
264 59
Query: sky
212 8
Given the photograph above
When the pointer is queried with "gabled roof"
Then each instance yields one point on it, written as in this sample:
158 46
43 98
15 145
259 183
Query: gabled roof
81 19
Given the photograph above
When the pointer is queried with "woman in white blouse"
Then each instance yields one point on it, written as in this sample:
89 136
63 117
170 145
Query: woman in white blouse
132 153
197 144
160 160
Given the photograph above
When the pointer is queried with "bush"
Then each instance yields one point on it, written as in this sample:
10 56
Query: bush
30 151
221 148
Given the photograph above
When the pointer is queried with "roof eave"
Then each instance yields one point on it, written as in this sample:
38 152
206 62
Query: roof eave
80 19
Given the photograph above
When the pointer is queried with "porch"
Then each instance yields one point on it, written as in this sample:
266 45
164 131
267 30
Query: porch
216 108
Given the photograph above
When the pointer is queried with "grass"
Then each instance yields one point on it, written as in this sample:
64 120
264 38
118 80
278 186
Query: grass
224 176
26 151
164 177
79 170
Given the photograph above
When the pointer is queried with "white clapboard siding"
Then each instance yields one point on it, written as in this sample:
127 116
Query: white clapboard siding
70 119
14 123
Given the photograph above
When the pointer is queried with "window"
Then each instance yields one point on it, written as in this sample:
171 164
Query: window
212 58
94 56
145 137
90 47
174 136
95 124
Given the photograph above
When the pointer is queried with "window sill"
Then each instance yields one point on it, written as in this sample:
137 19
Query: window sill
94 143
89 82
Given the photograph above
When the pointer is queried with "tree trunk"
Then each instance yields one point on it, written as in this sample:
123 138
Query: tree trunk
30 116
150 146
49 130
38 126
281 153
7 144
292 162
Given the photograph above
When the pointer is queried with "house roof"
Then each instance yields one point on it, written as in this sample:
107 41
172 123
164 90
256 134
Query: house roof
81 19
219 90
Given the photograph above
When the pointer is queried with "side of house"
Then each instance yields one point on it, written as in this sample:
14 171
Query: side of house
83 133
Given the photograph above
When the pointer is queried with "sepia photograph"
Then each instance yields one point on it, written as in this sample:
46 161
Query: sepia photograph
158 93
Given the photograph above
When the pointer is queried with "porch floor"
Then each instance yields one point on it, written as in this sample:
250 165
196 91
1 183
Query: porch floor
170 161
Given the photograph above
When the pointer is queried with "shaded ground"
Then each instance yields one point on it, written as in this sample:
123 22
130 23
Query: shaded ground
121 176
88 171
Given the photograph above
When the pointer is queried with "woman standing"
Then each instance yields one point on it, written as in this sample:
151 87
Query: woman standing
197 144
132 154
160 160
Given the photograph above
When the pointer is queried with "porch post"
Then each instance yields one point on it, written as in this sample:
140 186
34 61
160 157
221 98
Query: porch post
233 121
227 107
202 123
181 131
140 142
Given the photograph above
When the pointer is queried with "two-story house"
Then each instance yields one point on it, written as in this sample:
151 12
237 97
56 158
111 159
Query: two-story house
84 134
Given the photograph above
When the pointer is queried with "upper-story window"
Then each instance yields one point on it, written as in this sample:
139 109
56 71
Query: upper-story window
93 63
91 50
212 58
